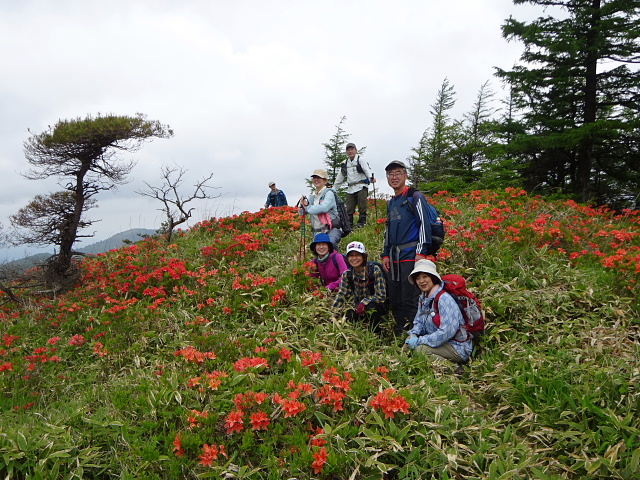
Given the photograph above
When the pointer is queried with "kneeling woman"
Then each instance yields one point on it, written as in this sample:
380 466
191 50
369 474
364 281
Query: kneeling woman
442 334
363 290
330 265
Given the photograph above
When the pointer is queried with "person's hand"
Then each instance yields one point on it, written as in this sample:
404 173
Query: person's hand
360 308
412 341
385 263
373 179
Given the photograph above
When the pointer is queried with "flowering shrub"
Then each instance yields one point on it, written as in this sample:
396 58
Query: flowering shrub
218 356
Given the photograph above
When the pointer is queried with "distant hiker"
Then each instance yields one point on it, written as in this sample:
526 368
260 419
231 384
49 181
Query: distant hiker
407 239
330 265
322 208
276 198
363 290
356 174
437 330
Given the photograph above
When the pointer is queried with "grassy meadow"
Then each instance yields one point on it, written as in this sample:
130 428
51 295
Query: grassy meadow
217 356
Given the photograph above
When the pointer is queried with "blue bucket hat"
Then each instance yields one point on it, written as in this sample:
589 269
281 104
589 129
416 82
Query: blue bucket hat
321 238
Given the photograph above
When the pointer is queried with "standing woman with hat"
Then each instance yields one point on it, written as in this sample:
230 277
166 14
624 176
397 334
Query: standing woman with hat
322 208
330 265
442 334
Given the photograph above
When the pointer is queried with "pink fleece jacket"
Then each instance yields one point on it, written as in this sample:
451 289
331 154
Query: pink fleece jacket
328 272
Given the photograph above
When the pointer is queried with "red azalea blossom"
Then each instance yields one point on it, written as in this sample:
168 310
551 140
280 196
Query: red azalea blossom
320 459
76 340
293 407
285 354
250 362
233 422
177 446
210 453
259 421
190 354
390 403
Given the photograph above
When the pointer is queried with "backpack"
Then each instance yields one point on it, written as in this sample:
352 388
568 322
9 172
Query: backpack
438 231
470 306
371 282
334 259
359 168
345 222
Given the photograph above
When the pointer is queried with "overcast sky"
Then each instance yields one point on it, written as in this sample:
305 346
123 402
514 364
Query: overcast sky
251 88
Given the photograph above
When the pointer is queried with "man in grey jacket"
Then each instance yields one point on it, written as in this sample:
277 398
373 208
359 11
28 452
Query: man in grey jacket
356 174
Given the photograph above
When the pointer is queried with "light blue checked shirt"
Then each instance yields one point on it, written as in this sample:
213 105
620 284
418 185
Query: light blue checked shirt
452 328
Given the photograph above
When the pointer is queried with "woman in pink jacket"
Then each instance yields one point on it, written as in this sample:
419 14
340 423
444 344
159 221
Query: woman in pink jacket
329 263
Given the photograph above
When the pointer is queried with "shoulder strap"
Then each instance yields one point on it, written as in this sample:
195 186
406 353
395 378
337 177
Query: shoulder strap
410 199
335 261
435 301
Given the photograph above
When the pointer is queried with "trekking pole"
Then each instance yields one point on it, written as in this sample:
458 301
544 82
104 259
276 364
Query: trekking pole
303 233
375 203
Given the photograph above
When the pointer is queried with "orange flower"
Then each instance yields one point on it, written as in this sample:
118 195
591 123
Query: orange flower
234 422
259 421
390 403
178 446
210 453
320 459
293 408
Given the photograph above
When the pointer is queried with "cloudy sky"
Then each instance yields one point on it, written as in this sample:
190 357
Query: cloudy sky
252 88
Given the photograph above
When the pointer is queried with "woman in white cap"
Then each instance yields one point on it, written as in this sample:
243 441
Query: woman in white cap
442 334
322 208
363 289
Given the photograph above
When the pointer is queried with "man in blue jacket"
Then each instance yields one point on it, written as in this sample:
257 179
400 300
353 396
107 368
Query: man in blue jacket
276 198
407 239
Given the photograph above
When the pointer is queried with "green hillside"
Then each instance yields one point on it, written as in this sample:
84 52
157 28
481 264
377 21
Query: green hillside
219 357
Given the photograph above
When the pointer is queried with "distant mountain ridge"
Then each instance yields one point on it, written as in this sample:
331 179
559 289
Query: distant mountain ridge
115 241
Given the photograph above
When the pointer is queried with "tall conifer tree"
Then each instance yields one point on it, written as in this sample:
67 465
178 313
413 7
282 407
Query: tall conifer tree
578 97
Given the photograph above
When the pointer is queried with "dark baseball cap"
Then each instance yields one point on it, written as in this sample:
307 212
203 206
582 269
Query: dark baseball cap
395 164
350 145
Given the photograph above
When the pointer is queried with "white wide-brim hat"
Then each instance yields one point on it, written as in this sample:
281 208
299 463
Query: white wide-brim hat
424 266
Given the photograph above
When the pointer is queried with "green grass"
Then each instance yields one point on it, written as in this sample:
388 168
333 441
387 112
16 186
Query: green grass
552 393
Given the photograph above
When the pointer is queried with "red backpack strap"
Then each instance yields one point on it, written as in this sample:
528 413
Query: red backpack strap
434 305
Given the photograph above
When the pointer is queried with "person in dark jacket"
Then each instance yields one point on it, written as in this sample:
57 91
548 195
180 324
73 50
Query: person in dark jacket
407 239
276 198
330 265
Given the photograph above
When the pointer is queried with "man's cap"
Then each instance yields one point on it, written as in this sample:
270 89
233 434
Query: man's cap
350 145
320 172
321 238
424 266
356 247
395 164
272 183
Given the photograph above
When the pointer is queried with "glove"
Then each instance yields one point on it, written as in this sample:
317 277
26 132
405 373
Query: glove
360 308
412 341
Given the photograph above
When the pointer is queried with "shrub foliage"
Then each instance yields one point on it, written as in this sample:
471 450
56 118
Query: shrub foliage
217 356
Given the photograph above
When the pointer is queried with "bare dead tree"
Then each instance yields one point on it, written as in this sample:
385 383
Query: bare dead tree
174 203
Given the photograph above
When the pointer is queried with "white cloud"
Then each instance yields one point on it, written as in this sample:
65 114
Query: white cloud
251 88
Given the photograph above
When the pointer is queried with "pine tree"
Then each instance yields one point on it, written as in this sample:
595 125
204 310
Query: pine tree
432 163
579 100
335 152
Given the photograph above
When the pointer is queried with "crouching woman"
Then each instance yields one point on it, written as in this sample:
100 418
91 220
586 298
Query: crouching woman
330 265
438 329
363 290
